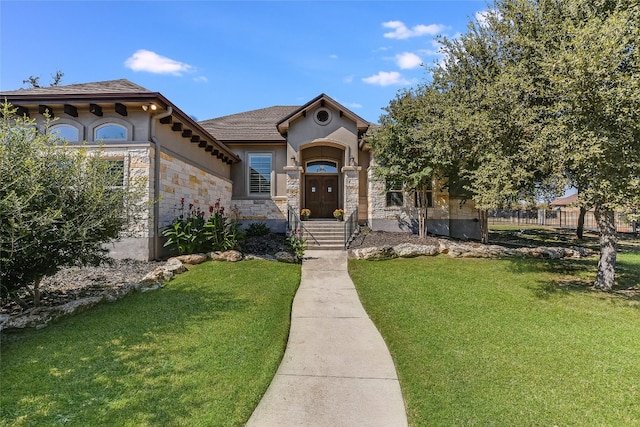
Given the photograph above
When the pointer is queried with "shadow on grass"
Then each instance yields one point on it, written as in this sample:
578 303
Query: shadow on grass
112 363
577 276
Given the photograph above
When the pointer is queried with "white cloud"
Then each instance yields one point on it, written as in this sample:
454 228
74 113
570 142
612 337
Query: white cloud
333 56
386 78
146 60
354 105
408 60
201 79
401 31
347 79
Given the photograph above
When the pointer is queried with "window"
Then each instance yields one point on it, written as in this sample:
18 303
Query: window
116 172
322 116
110 131
395 194
67 132
428 194
260 173
322 166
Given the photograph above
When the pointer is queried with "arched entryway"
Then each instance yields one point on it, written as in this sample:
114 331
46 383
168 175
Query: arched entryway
322 189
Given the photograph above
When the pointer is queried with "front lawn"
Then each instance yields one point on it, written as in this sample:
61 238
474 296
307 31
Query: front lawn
508 342
200 352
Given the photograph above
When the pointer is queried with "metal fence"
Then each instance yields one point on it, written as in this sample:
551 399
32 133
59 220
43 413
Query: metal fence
557 218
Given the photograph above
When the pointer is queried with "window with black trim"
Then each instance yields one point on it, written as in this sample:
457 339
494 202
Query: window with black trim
395 194
116 172
260 173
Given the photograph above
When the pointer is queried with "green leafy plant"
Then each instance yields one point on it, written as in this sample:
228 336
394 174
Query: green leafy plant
338 213
305 213
59 205
258 229
222 232
297 244
190 232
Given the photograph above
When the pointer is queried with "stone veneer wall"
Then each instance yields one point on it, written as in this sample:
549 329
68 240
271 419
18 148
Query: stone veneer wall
351 189
134 242
448 216
180 179
271 211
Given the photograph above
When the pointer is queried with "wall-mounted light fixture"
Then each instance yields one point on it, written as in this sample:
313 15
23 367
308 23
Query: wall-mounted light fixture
152 107
293 159
352 161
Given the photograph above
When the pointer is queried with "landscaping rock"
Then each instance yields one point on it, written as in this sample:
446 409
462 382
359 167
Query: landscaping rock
287 257
374 254
159 275
230 256
192 259
409 250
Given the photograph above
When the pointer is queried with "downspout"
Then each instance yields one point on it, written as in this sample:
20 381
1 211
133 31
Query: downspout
156 179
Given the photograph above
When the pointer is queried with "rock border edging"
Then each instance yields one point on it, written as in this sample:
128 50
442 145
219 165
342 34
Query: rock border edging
40 317
466 250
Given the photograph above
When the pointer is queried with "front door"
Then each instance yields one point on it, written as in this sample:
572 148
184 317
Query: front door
321 195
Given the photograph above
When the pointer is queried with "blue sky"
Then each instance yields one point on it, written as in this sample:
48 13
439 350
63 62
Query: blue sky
214 58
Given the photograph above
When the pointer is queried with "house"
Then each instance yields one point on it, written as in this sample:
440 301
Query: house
268 163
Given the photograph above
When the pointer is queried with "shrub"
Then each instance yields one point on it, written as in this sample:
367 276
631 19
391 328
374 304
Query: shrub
59 205
258 229
190 232
297 244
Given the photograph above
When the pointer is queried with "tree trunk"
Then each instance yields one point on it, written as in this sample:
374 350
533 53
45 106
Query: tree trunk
608 248
36 293
483 217
422 212
580 229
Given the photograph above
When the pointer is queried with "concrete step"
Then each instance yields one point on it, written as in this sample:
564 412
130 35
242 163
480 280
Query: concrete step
321 234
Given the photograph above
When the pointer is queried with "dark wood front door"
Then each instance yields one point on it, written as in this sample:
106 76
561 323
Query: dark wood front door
321 195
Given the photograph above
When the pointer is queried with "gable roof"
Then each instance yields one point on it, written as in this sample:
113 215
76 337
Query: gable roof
250 126
320 101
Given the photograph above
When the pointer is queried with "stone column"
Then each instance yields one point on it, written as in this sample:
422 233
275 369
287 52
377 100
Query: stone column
293 187
351 189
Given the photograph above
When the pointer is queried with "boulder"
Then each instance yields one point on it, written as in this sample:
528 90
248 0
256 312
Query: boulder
159 275
374 253
287 257
410 250
192 259
230 256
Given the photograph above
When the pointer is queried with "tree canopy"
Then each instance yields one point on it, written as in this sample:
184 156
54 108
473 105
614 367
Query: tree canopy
538 95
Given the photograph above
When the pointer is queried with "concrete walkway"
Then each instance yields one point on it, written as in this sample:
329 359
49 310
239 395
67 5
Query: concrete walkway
336 370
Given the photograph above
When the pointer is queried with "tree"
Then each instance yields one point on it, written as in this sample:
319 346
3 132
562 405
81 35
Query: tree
58 205
541 94
404 154
34 81
591 60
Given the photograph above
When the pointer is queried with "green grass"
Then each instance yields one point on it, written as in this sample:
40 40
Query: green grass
508 342
200 352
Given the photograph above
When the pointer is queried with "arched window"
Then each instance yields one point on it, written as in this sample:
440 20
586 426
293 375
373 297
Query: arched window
67 132
322 166
110 131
